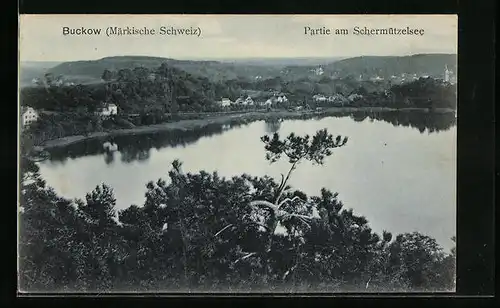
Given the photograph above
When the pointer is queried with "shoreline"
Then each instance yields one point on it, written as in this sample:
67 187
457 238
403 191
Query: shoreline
221 119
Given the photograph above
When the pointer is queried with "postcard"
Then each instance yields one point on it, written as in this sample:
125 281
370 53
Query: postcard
237 153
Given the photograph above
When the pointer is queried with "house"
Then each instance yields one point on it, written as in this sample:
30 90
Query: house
338 99
376 78
242 101
318 71
448 75
225 102
281 98
268 103
354 97
107 110
319 98
28 116
238 101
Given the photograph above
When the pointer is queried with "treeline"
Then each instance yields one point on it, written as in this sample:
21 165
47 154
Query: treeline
54 126
426 93
203 232
214 70
170 90
51 126
133 91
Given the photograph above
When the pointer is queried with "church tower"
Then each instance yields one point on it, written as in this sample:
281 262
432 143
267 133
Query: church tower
446 74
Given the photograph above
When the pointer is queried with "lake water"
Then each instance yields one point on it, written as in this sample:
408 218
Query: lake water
398 170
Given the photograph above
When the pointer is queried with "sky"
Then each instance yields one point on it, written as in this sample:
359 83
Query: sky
233 36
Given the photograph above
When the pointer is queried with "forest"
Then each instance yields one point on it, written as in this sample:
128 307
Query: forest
203 232
168 89
167 94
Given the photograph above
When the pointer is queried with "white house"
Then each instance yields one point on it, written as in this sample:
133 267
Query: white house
377 78
280 98
28 116
225 102
338 98
319 71
108 110
268 103
354 97
319 98
244 102
249 101
447 74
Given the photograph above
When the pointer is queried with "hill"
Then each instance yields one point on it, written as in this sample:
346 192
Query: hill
33 69
429 64
384 66
166 88
253 69
309 61
214 70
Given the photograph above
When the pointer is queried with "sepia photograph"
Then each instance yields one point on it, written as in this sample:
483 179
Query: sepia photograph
237 153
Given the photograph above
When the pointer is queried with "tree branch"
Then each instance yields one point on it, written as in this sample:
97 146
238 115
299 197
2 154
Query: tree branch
222 230
245 257
302 216
282 188
282 182
368 283
288 272
265 204
305 222
289 200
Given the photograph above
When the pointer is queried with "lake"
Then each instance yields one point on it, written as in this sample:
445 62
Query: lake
397 169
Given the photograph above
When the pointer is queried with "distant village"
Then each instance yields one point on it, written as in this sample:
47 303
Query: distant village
448 76
337 99
30 115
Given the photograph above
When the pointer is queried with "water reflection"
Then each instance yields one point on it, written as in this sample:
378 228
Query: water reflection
273 125
423 121
109 157
402 179
137 148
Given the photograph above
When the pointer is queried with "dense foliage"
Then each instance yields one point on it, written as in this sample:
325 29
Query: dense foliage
201 231
167 89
